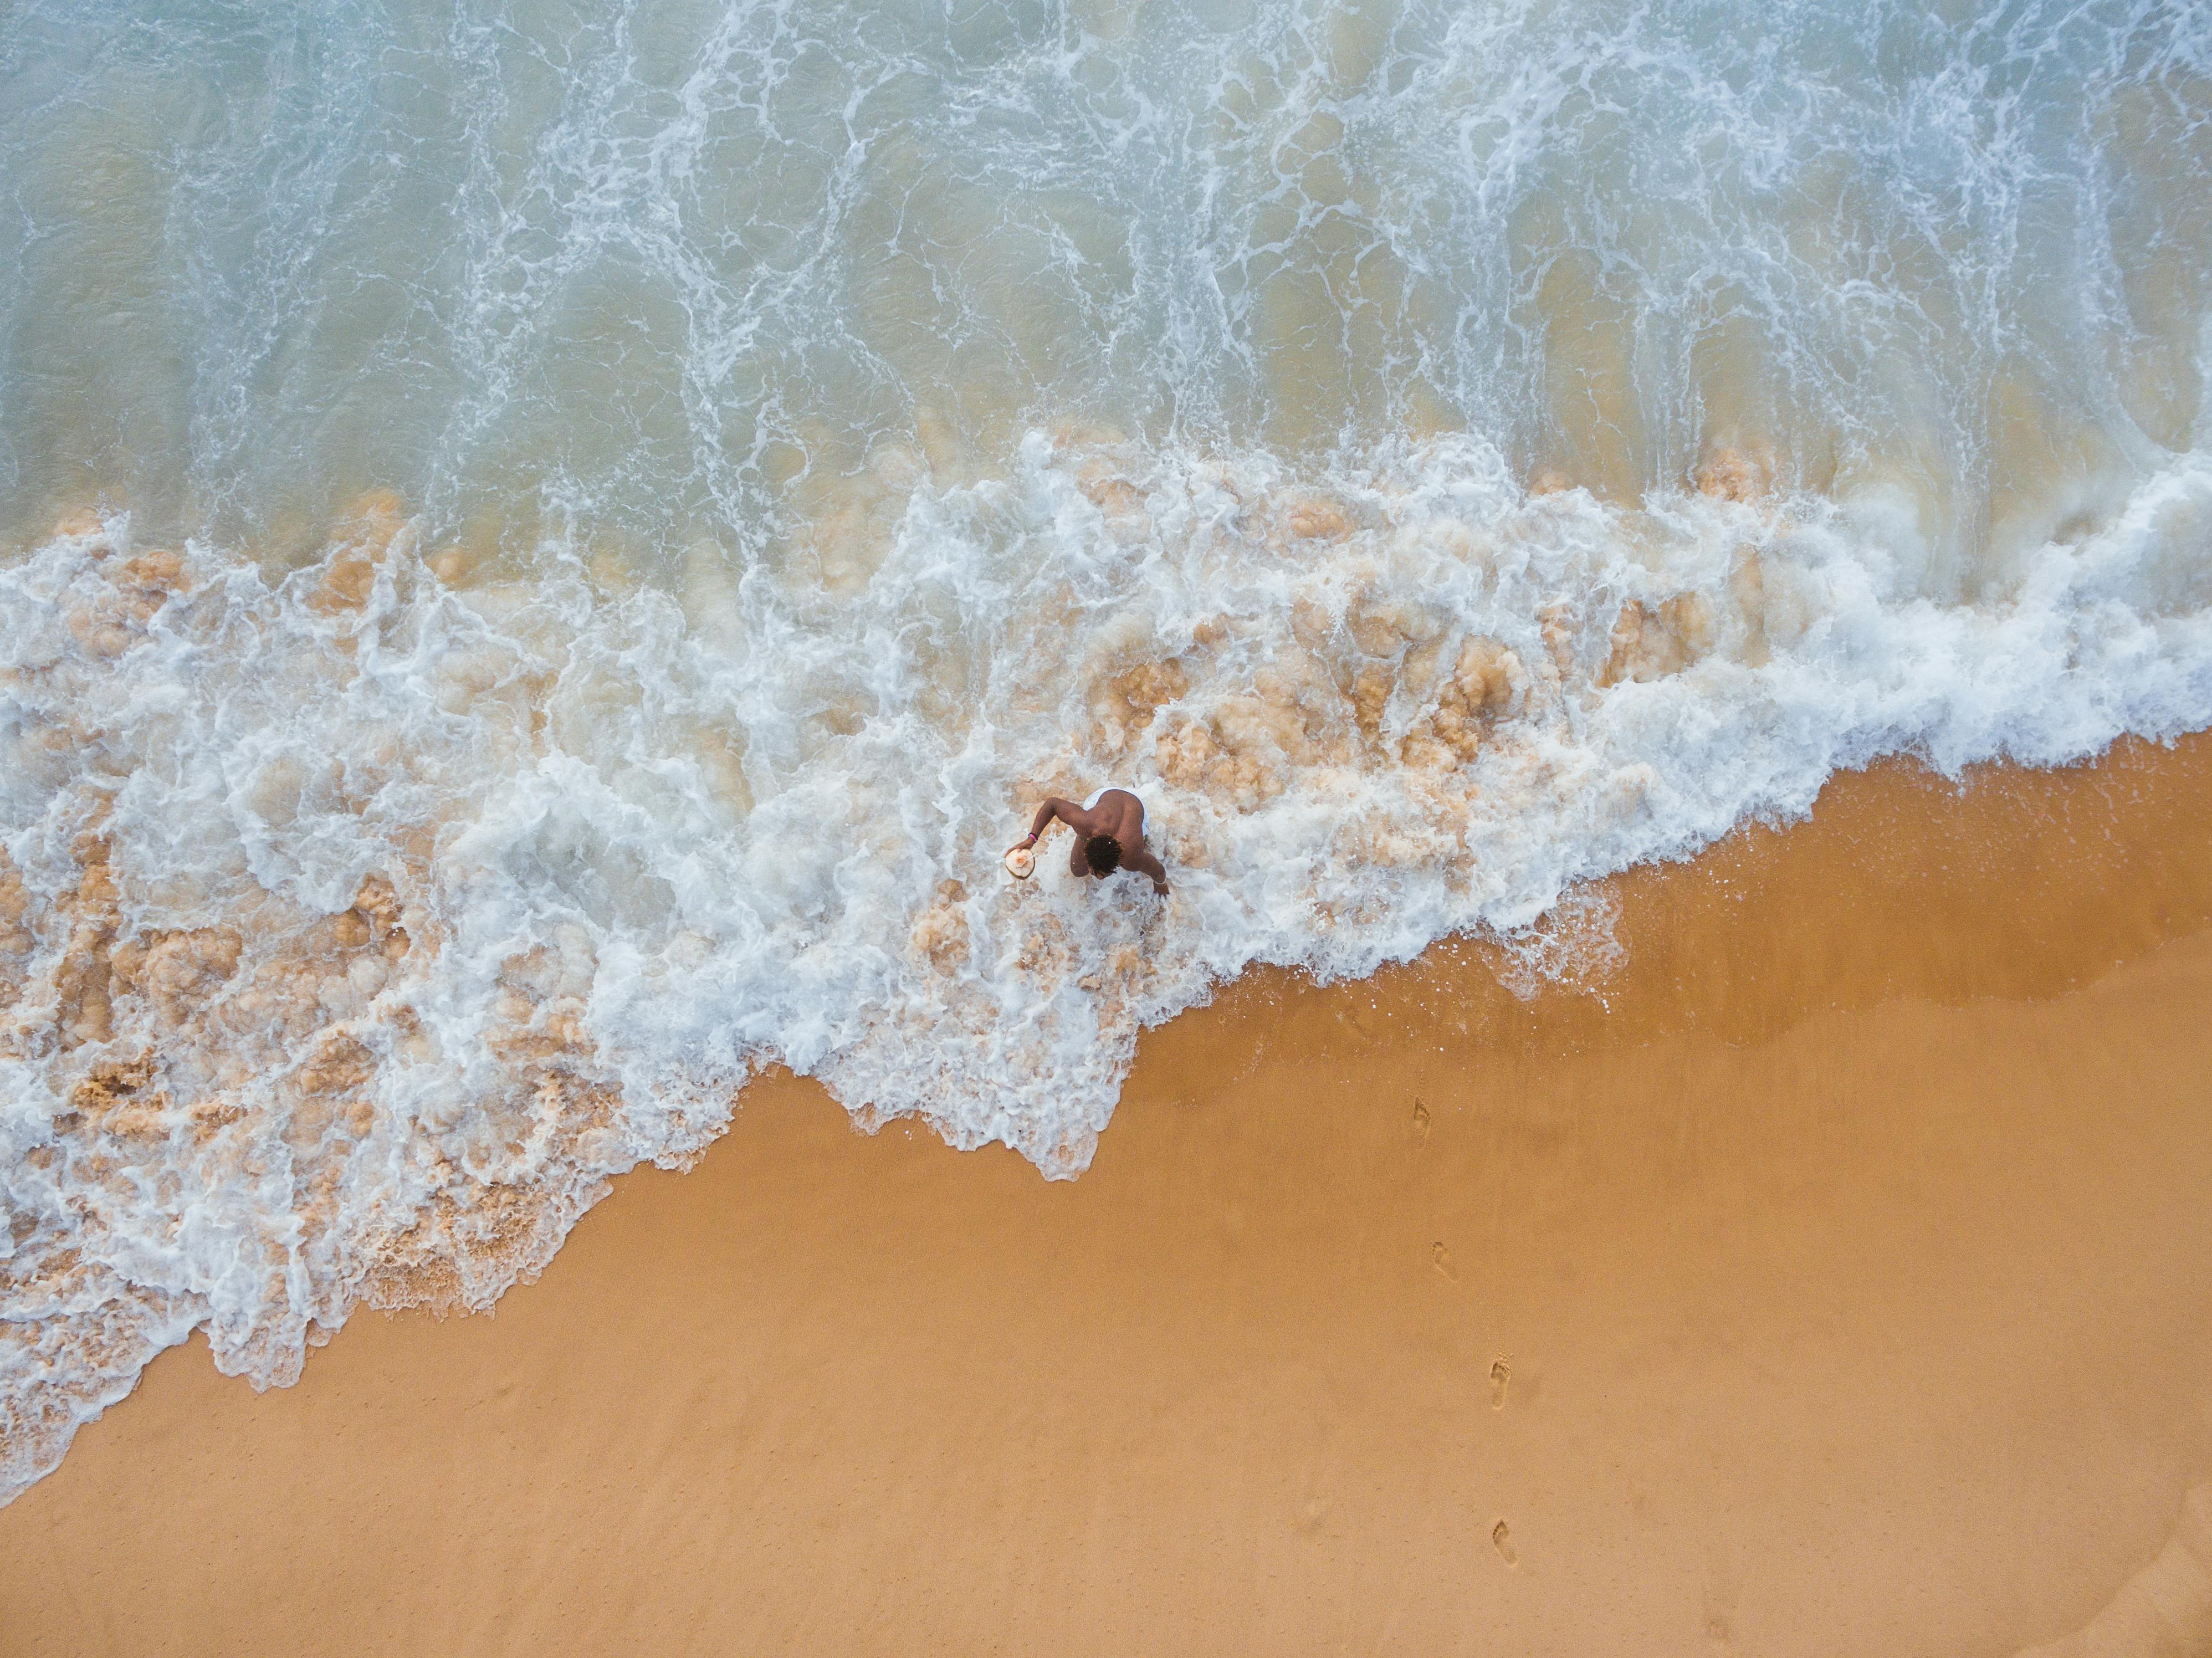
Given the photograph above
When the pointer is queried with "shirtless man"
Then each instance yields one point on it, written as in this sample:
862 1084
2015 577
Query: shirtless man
1110 835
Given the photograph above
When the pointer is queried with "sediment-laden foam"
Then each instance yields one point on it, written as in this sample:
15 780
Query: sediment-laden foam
355 926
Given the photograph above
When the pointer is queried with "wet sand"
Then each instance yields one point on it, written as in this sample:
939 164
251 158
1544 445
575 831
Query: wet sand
1833 1278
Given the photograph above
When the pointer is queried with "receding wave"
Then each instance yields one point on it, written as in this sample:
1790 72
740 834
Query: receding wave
361 923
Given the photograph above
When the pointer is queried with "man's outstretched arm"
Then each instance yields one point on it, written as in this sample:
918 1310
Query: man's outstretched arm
1051 809
1146 863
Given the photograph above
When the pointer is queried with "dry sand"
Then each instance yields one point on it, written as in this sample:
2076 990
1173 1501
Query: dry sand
1836 1277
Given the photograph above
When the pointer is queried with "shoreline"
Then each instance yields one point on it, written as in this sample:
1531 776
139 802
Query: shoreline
1829 1277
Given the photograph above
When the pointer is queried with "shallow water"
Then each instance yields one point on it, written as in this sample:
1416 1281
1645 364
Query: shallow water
550 553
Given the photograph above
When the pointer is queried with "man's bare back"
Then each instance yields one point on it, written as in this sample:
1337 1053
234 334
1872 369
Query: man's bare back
1109 835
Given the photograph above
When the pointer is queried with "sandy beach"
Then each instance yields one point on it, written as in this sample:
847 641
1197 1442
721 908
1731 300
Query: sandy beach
1831 1277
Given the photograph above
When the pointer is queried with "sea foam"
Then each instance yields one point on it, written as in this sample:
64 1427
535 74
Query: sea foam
360 923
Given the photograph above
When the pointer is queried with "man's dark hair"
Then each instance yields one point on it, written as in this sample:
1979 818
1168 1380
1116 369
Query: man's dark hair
1105 854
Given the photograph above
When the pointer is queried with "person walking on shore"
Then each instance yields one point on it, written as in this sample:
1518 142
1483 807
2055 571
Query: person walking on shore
1109 835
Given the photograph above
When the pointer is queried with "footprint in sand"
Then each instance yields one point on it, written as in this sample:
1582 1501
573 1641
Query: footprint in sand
1442 1257
1503 1539
1420 1119
1500 1373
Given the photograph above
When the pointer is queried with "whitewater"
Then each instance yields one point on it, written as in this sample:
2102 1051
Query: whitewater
545 553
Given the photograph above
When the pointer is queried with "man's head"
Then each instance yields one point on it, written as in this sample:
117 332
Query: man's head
1104 853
